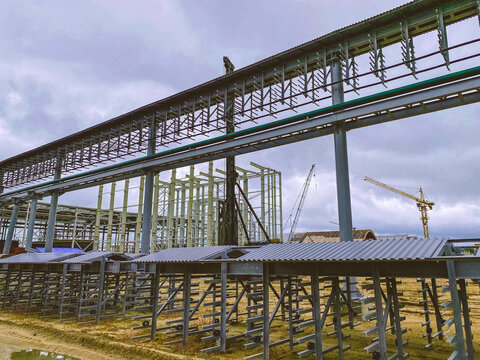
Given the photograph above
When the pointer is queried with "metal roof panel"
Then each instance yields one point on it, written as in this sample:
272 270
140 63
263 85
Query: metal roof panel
37 258
373 250
183 254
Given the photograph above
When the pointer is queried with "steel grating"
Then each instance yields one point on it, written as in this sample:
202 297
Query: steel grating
182 255
37 258
373 250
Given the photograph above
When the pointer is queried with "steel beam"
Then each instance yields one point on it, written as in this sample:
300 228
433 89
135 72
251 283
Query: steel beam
391 105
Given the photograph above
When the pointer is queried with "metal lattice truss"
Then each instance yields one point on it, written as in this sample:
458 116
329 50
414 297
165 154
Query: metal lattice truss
284 82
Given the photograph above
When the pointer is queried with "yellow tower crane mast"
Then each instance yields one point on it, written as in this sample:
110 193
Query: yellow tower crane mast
422 204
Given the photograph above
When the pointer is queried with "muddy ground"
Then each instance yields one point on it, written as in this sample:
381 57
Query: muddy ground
112 338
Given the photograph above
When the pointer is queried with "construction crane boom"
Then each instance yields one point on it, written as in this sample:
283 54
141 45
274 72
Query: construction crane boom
422 204
399 192
303 195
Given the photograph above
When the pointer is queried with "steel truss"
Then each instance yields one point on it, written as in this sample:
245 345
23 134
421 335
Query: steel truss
284 82
441 93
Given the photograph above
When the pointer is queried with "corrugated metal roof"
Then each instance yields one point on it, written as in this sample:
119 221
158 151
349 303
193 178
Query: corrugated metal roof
37 258
183 254
93 256
374 250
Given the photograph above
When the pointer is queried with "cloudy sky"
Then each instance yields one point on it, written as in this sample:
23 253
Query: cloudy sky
66 65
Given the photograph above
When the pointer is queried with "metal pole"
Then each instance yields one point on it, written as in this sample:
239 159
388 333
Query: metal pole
190 206
148 195
171 208
230 236
31 223
138 227
457 311
96 236
210 240
101 280
110 216
153 244
11 229
266 312
223 308
74 231
341 158
52 215
123 235
316 313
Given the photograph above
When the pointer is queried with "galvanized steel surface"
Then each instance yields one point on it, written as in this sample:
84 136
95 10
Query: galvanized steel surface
93 256
190 254
37 258
374 250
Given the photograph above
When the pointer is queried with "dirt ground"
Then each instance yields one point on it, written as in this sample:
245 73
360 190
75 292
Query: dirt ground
112 338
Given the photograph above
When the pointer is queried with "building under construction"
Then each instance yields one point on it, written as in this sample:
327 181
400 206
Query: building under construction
194 257
187 213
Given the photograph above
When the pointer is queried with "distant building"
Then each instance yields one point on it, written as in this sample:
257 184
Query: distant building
331 236
398 237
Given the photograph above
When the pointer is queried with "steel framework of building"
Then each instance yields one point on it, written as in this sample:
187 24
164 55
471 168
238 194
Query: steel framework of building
115 225
300 78
214 289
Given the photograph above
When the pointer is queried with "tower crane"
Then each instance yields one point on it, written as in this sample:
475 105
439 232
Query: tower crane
422 204
303 195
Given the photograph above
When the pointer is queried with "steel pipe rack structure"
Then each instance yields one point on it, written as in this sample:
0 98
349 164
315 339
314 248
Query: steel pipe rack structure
229 295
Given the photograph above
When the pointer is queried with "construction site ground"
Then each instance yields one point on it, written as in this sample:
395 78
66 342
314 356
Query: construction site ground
112 338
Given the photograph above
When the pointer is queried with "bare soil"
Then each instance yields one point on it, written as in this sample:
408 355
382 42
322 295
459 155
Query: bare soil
112 338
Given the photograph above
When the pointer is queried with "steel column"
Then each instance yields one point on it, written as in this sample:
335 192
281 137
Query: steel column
11 229
31 223
52 215
457 311
341 158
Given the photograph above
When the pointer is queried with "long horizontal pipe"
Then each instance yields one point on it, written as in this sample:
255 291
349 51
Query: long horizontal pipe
296 125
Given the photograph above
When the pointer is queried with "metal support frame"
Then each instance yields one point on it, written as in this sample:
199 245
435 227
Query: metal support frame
11 229
52 216
341 158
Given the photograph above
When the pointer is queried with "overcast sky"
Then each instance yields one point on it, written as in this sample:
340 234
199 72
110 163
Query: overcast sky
66 65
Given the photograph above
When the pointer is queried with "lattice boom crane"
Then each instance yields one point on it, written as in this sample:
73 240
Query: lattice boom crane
422 204
303 195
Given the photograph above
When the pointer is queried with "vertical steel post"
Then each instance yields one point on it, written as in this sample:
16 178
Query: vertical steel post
223 308
280 194
190 206
148 195
181 240
382 340
266 312
457 311
138 228
171 208
101 280
186 302
31 223
11 229
230 236
123 226
75 225
210 240
156 286
466 319
316 313
52 215
341 158
96 235
25 224
156 191
110 215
